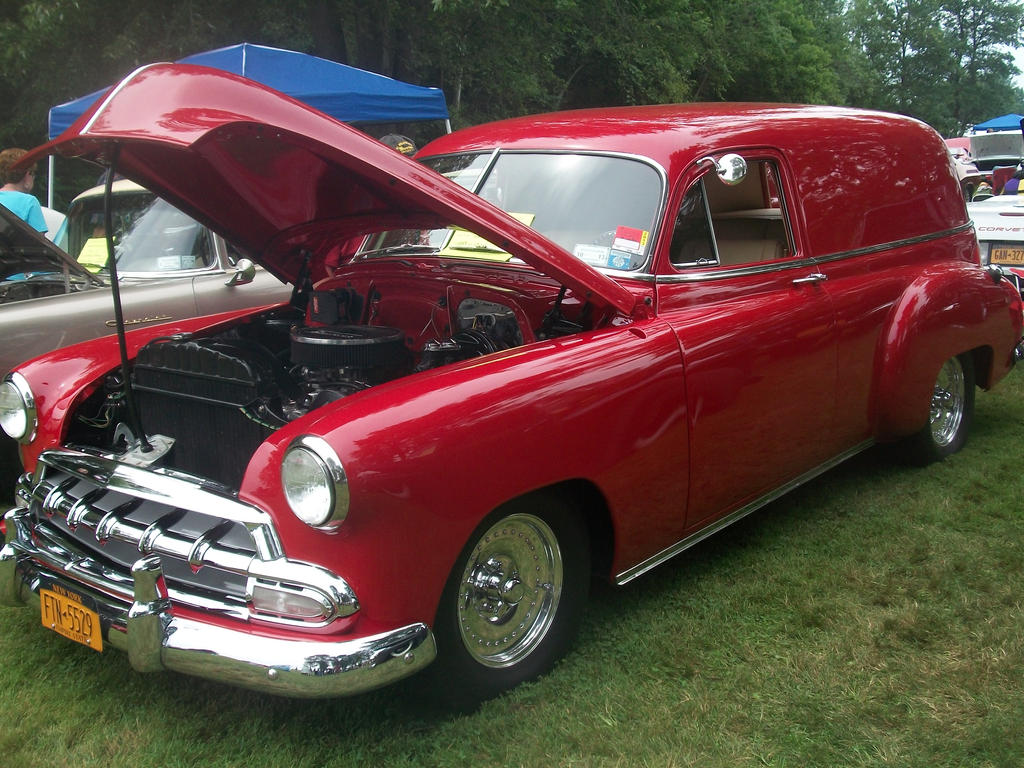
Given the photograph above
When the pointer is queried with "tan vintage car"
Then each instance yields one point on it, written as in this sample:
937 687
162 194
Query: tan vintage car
170 268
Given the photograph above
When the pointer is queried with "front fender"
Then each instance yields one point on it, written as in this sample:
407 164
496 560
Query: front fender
941 314
429 456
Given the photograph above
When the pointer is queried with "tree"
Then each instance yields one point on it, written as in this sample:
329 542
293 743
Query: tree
946 62
977 36
771 50
501 58
52 51
603 52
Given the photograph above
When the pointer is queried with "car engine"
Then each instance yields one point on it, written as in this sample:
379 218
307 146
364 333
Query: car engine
219 397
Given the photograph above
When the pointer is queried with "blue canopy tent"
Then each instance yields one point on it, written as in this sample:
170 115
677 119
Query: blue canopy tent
1009 122
345 93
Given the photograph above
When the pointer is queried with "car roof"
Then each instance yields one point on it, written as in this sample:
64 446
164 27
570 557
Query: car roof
663 133
120 186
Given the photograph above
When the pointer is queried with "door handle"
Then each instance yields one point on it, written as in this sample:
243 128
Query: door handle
814 277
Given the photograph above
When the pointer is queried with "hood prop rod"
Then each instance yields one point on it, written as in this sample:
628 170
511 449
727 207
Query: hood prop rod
115 289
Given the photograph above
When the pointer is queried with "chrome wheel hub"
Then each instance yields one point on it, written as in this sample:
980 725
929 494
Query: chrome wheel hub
509 590
495 589
948 399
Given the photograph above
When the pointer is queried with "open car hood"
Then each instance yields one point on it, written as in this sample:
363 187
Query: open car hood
283 181
24 251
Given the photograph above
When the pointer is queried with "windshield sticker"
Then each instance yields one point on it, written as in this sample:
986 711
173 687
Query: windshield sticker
174 262
626 252
630 240
594 255
622 260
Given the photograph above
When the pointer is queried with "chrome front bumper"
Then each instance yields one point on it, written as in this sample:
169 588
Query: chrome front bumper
155 638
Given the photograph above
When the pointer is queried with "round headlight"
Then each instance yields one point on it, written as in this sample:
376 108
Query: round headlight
17 408
314 482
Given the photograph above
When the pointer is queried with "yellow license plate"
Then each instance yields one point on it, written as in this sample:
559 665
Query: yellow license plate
1008 255
65 615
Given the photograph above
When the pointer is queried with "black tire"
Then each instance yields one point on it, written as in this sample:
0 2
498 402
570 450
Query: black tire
950 414
513 602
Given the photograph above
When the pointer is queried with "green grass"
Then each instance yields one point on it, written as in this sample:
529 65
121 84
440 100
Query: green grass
871 618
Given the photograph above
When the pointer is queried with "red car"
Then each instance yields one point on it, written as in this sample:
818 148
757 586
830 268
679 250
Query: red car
547 347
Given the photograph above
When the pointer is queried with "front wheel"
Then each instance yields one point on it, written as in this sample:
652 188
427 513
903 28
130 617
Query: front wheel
950 414
513 601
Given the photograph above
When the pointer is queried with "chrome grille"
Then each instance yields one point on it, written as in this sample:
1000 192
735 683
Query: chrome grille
199 552
92 517
110 514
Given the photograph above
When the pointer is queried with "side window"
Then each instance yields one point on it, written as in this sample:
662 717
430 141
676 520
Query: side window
692 242
735 225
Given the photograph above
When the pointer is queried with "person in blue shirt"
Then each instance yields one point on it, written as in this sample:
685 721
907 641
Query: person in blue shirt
16 193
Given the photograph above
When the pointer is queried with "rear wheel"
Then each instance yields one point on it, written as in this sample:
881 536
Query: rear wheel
513 601
950 414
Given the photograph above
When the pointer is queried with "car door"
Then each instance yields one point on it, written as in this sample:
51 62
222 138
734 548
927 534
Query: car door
756 330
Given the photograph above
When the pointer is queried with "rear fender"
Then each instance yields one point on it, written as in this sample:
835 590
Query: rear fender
940 315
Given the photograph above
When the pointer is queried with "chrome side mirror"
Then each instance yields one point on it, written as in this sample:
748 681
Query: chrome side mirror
245 273
731 168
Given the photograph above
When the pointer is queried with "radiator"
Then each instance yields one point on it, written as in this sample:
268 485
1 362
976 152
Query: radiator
197 392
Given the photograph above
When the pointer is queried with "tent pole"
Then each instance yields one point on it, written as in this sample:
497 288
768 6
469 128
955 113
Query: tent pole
448 125
49 183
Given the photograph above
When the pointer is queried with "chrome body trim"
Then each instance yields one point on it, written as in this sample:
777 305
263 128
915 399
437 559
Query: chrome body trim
839 256
705 274
714 272
139 621
120 86
698 536
639 277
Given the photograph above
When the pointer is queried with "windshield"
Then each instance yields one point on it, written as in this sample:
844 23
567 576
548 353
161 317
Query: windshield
29 266
150 235
599 208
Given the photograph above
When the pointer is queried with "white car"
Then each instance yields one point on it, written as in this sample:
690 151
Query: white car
999 222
